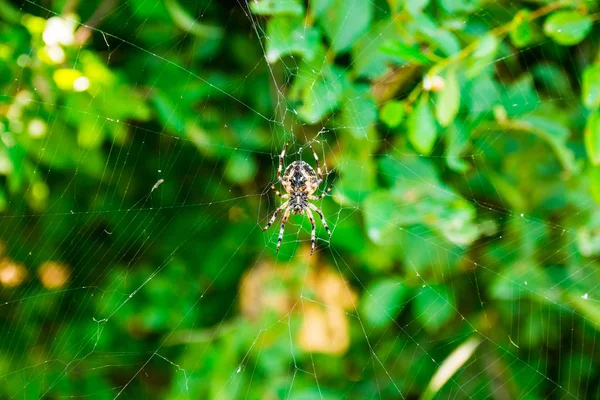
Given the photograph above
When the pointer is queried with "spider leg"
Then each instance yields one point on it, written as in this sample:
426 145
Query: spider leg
281 207
281 163
278 193
316 209
312 232
325 193
319 172
286 215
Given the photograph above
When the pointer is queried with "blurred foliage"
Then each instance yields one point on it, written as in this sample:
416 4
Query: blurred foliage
139 140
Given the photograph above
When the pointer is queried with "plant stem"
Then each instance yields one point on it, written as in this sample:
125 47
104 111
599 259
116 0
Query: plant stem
499 32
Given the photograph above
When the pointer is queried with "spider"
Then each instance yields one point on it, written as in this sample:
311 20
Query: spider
300 181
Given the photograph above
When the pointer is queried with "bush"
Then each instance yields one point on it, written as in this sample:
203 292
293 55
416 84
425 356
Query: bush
139 144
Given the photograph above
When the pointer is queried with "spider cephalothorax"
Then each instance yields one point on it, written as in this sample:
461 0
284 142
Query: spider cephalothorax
300 181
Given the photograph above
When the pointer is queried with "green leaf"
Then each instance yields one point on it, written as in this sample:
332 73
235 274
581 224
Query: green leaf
345 21
553 78
277 7
594 178
567 27
287 36
592 138
422 129
555 134
483 56
90 133
3 199
241 168
456 222
357 180
168 114
588 309
379 210
448 100
521 32
358 112
392 113
457 141
145 9
482 94
415 7
509 283
323 96
186 22
521 97
404 53
587 237
368 59
446 41
433 307
318 7
591 86
456 6
382 302
509 193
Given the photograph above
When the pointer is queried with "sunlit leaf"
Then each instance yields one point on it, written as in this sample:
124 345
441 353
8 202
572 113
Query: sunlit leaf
241 168
90 133
414 6
521 32
318 7
358 113
446 41
448 100
567 27
590 91
368 60
392 113
290 36
484 55
456 6
380 208
592 138
65 78
322 96
345 21
404 53
422 129
587 308
277 7
457 141
594 177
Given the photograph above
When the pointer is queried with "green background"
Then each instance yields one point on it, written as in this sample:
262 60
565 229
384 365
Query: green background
139 142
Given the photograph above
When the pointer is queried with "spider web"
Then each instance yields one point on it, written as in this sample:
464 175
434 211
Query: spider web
146 316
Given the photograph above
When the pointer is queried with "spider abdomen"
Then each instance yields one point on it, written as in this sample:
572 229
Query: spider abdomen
298 173
298 201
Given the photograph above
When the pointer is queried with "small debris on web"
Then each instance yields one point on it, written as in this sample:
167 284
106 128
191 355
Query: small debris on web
157 184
